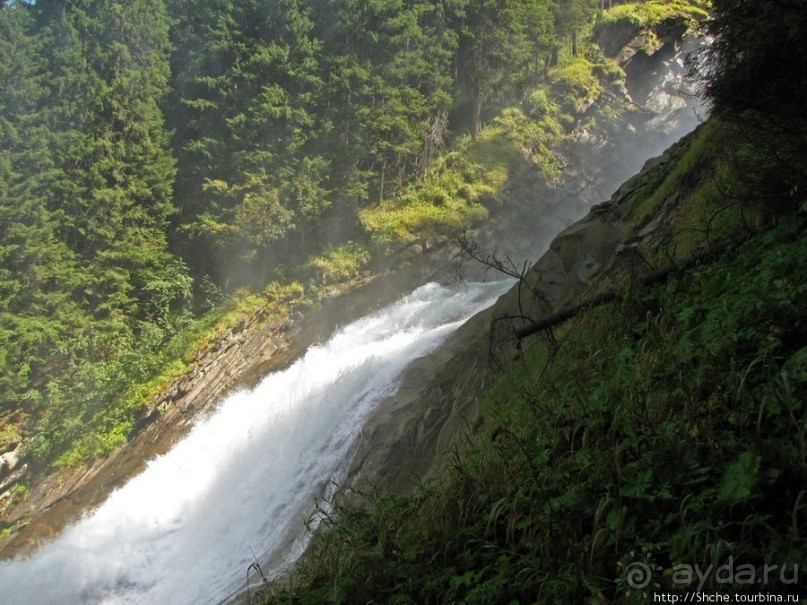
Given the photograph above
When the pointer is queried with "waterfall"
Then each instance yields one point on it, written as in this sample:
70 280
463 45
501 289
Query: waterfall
240 485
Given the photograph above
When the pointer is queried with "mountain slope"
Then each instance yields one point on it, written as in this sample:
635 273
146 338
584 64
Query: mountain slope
658 434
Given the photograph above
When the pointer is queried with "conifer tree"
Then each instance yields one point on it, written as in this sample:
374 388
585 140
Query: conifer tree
86 176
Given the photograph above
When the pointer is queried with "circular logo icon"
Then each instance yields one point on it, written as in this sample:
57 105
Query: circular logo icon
638 575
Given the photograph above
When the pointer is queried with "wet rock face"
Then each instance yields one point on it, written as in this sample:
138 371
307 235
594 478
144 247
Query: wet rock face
660 82
615 39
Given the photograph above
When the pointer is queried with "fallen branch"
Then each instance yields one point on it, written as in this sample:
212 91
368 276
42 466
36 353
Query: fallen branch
651 278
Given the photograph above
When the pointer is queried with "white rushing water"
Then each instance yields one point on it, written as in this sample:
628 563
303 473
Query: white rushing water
184 531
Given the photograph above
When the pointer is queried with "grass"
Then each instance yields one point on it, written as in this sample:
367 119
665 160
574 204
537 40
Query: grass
340 264
704 189
667 429
447 200
656 21
653 13
9 434
463 185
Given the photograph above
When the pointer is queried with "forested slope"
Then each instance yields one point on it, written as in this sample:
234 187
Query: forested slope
160 159
158 155
86 195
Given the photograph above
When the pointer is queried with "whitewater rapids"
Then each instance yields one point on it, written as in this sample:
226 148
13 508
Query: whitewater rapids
239 486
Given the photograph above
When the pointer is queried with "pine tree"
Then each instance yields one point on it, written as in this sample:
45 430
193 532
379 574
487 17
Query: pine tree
248 76
87 178
758 86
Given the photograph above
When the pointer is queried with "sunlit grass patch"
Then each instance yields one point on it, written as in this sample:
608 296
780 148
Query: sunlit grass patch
449 199
575 82
341 263
654 12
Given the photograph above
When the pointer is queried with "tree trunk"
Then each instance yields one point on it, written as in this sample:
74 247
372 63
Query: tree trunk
381 186
476 115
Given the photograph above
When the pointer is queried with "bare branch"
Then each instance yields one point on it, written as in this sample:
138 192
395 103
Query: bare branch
648 279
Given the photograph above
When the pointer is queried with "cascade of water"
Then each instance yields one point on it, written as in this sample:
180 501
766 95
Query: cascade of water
185 530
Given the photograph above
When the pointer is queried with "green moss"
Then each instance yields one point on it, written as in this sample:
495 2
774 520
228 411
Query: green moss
704 187
652 13
342 263
657 21
17 494
662 426
96 444
698 154
465 183
9 433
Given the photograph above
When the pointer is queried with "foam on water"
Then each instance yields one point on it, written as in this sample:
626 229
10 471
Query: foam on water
185 530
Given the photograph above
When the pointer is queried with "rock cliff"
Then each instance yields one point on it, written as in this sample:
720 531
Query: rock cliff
409 437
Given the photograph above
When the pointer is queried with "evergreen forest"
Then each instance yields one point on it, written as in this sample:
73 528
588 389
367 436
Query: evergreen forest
158 157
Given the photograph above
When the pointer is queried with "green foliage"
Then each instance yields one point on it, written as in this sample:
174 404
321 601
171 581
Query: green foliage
739 478
448 199
85 207
748 73
575 82
307 109
116 392
652 13
660 184
755 87
312 106
461 185
341 264
157 155
18 493
539 139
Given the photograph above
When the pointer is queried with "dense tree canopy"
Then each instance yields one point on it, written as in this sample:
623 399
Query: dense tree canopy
292 112
153 152
86 177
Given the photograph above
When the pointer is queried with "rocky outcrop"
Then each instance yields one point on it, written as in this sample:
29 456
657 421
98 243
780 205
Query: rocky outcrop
655 106
239 358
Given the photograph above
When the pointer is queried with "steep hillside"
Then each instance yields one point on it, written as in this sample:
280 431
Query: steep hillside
168 165
640 434
546 150
612 455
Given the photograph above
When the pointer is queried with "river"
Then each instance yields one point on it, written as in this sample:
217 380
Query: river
239 487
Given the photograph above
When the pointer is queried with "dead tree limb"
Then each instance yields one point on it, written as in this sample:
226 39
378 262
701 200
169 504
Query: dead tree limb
655 276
